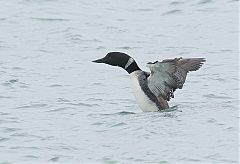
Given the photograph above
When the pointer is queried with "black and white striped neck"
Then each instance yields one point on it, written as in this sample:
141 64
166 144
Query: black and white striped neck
131 66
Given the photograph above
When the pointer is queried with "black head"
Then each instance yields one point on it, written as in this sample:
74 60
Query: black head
115 59
119 59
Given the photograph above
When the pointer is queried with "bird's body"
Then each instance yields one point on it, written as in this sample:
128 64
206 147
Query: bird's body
153 90
145 99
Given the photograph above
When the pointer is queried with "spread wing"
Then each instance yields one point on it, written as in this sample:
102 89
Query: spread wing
170 74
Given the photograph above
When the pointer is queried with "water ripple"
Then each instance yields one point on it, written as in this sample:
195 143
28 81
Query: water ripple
145 9
54 159
82 104
55 85
49 19
4 139
31 156
172 12
217 97
118 113
176 3
40 105
24 148
119 124
24 134
6 97
205 2
10 82
9 130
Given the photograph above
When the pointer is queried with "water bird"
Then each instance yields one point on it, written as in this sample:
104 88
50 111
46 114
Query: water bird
154 89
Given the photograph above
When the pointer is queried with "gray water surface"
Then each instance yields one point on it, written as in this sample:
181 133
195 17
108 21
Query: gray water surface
58 106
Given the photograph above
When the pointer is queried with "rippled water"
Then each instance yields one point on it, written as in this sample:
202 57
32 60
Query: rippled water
57 106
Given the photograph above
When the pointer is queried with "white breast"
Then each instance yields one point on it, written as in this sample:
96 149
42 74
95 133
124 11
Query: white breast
143 101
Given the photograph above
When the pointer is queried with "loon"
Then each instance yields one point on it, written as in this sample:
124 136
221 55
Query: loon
154 89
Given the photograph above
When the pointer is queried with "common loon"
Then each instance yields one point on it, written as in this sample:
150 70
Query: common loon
154 90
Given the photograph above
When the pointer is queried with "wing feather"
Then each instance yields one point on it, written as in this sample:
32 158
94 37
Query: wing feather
170 74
